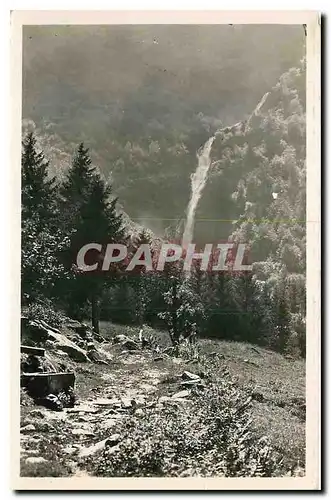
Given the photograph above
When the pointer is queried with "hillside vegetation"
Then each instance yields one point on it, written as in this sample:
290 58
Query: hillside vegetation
139 415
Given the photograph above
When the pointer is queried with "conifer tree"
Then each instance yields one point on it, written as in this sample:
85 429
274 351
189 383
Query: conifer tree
38 191
90 217
41 240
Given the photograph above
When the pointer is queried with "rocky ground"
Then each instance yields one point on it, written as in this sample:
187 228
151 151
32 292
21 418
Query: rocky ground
119 382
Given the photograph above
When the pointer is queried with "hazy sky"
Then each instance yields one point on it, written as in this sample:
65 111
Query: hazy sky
106 69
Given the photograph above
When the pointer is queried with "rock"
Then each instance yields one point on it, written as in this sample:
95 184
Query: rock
189 383
73 324
69 450
40 385
107 402
130 345
99 337
28 428
181 394
257 396
36 364
128 403
35 460
49 344
190 376
96 357
107 424
52 402
91 450
36 414
82 432
45 427
163 399
37 351
118 339
41 331
113 440
83 409
64 344
33 331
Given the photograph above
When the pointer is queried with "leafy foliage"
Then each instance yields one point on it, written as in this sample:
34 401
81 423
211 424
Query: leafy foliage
215 438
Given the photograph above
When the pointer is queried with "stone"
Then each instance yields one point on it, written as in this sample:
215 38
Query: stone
28 428
73 350
91 450
96 357
41 331
82 432
118 339
36 414
189 383
45 427
190 376
40 385
108 423
107 402
83 409
35 460
130 345
181 394
128 403
69 450
113 440
37 351
52 402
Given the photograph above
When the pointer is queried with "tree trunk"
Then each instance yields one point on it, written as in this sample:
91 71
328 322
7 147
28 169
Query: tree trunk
95 313
175 332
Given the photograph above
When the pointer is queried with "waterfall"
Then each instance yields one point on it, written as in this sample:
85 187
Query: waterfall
198 181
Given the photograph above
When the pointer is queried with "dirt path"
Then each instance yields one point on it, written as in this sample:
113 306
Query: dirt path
105 398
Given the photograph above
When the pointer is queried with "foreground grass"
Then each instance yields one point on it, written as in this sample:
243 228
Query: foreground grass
183 439
276 382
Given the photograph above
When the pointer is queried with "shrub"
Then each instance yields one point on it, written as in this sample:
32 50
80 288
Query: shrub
45 312
215 438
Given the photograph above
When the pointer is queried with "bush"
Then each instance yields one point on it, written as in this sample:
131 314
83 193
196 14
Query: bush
215 438
45 312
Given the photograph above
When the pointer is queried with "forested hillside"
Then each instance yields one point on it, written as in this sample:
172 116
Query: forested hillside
255 194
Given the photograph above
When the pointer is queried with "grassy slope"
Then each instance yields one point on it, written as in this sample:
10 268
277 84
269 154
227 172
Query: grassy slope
276 383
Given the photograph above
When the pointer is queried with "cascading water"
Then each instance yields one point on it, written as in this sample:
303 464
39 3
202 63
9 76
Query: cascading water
198 182
199 178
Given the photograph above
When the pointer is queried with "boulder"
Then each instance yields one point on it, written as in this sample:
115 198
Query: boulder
36 414
40 332
130 345
36 351
35 460
51 402
64 344
91 450
40 385
28 428
113 440
118 339
181 394
190 376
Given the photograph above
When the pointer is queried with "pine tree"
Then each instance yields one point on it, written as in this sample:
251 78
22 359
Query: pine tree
38 191
41 268
76 188
90 217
